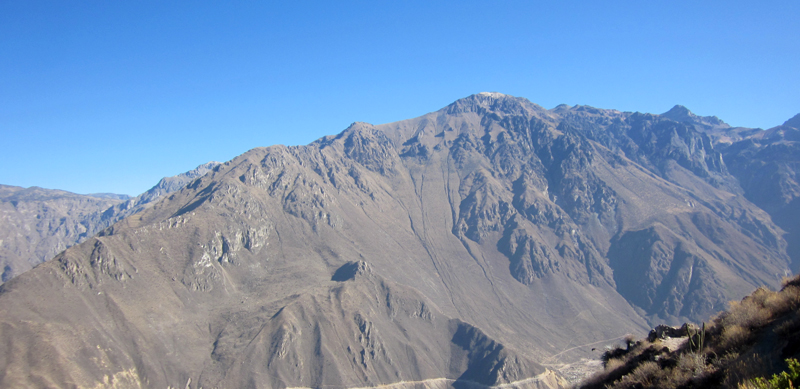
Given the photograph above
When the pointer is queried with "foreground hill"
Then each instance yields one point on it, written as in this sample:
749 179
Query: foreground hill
463 247
753 339
39 223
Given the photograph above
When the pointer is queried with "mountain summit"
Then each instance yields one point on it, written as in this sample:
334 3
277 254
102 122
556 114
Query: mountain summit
478 244
682 114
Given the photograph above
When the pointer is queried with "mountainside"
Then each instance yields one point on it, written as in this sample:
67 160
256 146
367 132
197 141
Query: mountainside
767 165
168 185
474 245
39 223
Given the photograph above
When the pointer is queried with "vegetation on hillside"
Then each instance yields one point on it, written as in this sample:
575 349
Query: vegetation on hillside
752 345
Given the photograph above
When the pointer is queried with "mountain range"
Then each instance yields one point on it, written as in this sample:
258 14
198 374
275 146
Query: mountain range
483 244
40 223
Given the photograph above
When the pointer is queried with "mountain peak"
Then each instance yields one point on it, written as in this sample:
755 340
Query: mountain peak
495 95
679 113
492 101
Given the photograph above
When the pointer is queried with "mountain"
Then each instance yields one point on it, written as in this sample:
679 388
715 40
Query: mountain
719 131
767 165
168 185
794 122
113 196
682 114
40 223
482 244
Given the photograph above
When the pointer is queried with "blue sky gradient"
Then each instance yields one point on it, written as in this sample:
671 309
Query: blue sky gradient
110 96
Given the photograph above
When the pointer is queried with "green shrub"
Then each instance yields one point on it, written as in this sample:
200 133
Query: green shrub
785 380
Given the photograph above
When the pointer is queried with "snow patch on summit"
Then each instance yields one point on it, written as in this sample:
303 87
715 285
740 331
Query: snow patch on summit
495 95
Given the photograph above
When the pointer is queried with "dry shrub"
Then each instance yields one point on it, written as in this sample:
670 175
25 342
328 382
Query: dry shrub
790 326
726 360
760 295
692 363
734 336
748 313
643 376
677 378
629 340
786 300
742 371
791 281
613 364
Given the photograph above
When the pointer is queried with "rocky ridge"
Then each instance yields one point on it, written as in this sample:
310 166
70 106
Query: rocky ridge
39 223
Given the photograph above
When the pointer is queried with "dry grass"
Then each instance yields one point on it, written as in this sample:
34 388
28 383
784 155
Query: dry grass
726 361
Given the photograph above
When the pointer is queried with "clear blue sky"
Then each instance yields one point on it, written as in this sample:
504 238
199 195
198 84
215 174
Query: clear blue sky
109 96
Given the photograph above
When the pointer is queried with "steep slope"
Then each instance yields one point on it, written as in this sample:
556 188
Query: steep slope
569 172
526 233
767 165
40 223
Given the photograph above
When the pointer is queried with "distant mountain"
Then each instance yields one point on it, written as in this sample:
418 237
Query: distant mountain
793 122
682 114
40 223
767 165
168 185
482 244
113 196
719 131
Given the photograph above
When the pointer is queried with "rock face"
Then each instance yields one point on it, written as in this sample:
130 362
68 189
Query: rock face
39 223
466 247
